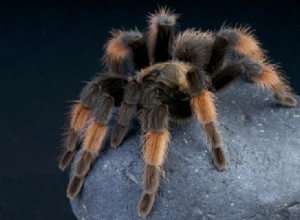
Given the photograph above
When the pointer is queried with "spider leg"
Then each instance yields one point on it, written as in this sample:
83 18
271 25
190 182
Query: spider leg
139 59
271 79
126 52
154 118
79 115
92 142
192 46
226 75
161 28
202 103
257 68
218 54
102 94
243 42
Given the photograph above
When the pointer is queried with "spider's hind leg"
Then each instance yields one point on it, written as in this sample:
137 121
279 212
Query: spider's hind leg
256 67
274 81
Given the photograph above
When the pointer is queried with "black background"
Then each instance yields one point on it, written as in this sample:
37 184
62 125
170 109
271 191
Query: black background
48 49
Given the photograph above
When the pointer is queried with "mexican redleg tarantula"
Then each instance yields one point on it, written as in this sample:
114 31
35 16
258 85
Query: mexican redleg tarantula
164 77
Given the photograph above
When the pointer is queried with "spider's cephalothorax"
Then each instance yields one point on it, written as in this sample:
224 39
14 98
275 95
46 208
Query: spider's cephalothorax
164 77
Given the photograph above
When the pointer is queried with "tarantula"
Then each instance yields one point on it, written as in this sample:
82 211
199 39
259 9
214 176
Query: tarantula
164 77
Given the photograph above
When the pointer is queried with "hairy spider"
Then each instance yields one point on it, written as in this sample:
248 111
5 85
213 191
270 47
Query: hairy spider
164 77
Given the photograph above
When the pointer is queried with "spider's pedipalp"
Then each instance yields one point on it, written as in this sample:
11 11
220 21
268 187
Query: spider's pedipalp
127 109
160 35
192 46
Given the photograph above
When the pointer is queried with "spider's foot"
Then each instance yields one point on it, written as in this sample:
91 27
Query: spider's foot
84 164
146 204
287 101
151 179
117 135
66 159
74 186
219 158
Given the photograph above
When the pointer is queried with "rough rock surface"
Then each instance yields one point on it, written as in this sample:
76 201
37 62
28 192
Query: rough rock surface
262 180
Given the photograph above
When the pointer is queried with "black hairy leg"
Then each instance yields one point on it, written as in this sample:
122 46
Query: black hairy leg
160 35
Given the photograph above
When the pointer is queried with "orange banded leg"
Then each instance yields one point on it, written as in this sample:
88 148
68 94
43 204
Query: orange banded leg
272 79
261 73
80 113
155 146
204 108
154 121
92 143
79 116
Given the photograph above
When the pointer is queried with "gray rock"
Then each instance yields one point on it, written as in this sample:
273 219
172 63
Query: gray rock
262 180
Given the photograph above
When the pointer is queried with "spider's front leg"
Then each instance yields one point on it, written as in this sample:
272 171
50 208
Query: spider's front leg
80 113
202 103
94 134
154 119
